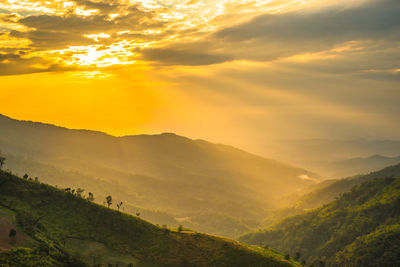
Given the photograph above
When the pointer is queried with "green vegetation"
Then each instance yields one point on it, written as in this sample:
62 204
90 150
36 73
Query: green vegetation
58 228
361 228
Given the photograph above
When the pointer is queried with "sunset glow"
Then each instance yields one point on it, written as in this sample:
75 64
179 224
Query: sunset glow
288 64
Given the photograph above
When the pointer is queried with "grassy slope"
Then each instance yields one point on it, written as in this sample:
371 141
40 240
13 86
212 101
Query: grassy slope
67 224
361 226
154 205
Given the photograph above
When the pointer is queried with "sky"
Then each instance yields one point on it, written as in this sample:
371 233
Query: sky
240 72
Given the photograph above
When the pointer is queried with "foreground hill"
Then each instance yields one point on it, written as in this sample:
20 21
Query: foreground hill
57 228
361 228
188 179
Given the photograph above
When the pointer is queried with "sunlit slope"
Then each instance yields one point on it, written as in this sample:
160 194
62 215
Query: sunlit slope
165 156
187 178
54 222
361 228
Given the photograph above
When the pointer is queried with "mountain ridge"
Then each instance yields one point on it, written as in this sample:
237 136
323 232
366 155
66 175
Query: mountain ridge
193 176
359 228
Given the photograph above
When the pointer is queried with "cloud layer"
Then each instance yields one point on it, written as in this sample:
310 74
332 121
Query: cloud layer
240 70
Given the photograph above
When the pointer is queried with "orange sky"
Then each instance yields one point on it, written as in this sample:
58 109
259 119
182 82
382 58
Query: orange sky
238 72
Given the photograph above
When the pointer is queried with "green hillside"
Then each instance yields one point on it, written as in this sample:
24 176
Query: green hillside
167 173
58 228
361 228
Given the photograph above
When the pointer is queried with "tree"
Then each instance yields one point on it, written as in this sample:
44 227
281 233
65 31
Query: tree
91 196
180 228
2 159
12 235
36 179
138 213
297 256
109 201
119 205
79 192
25 176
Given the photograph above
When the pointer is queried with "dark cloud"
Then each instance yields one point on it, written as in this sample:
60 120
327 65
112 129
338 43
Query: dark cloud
53 39
269 37
103 7
68 23
141 36
182 57
15 64
55 32
333 25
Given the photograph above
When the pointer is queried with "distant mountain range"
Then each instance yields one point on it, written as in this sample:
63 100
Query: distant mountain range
338 158
325 192
359 165
359 228
210 187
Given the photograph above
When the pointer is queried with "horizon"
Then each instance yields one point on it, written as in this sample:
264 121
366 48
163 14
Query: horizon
248 150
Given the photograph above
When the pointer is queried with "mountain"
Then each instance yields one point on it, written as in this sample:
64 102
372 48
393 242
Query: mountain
210 187
337 158
328 190
322 193
54 227
359 165
361 228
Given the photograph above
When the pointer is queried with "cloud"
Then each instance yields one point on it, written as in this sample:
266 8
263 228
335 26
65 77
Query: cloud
57 32
104 7
333 25
272 36
173 56
16 64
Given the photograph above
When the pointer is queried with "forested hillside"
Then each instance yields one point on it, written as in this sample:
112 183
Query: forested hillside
361 228
44 226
